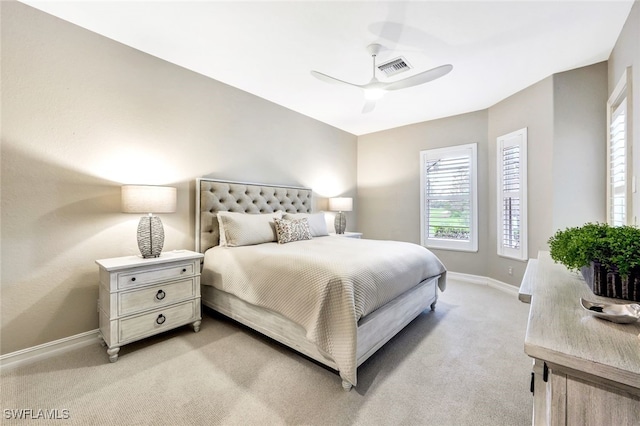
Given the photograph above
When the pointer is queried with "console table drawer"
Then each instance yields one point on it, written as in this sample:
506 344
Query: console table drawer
157 321
141 277
156 296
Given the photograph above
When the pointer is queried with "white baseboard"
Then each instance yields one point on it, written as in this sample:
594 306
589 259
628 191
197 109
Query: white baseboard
476 279
46 350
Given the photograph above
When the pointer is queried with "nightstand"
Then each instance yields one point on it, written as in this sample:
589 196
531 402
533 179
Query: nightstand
347 234
142 297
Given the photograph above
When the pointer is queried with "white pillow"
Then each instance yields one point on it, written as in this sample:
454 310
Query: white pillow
317 222
244 229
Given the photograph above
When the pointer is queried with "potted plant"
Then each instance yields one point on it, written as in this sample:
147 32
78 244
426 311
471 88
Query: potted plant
607 256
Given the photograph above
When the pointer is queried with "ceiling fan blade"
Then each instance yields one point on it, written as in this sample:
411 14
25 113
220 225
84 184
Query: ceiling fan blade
369 106
420 78
329 79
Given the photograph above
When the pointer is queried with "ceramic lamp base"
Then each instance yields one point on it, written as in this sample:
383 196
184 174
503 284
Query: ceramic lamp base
150 236
340 223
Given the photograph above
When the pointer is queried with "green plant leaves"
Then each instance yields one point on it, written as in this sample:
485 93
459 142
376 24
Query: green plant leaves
614 247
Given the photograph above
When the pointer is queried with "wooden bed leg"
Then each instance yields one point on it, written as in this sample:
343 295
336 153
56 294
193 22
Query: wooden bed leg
346 385
433 305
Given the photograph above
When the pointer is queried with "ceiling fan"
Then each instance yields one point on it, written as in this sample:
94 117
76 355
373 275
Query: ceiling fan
376 89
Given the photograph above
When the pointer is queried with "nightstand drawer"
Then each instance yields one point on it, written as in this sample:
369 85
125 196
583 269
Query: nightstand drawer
158 320
156 296
141 277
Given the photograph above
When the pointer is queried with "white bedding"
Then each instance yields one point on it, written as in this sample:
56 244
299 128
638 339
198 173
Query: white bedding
325 284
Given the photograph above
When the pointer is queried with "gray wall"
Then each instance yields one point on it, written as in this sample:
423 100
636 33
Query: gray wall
531 108
565 118
389 182
579 146
82 114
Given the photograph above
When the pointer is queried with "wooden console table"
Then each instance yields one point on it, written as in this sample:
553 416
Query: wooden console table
586 370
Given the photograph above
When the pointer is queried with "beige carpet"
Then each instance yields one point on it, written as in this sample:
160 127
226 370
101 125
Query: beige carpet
460 365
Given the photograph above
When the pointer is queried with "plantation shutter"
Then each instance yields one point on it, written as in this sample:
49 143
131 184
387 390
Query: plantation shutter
618 166
512 176
511 196
448 193
448 198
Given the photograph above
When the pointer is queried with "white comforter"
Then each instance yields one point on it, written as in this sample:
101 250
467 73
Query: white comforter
325 285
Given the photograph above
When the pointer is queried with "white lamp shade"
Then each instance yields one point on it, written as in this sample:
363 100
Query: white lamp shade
148 199
341 204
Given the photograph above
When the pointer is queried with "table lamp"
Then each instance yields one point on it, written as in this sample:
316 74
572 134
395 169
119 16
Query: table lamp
340 205
149 199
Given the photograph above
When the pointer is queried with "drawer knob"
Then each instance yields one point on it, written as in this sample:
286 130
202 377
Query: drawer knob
184 269
160 295
133 279
161 319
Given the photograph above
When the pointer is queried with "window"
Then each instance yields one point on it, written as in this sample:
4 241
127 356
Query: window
512 194
618 165
448 198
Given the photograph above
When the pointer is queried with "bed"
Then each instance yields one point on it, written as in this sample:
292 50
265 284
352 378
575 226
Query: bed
275 269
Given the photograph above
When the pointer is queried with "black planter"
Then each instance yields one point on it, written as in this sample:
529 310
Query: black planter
609 283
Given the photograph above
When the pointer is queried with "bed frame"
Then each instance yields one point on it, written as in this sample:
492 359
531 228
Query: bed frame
373 331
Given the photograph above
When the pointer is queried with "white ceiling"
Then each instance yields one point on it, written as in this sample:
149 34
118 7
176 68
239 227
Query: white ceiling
267 48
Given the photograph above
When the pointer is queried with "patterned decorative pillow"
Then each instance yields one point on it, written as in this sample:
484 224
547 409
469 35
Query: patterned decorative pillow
289 231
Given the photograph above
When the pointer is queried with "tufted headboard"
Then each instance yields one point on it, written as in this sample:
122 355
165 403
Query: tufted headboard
213 196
